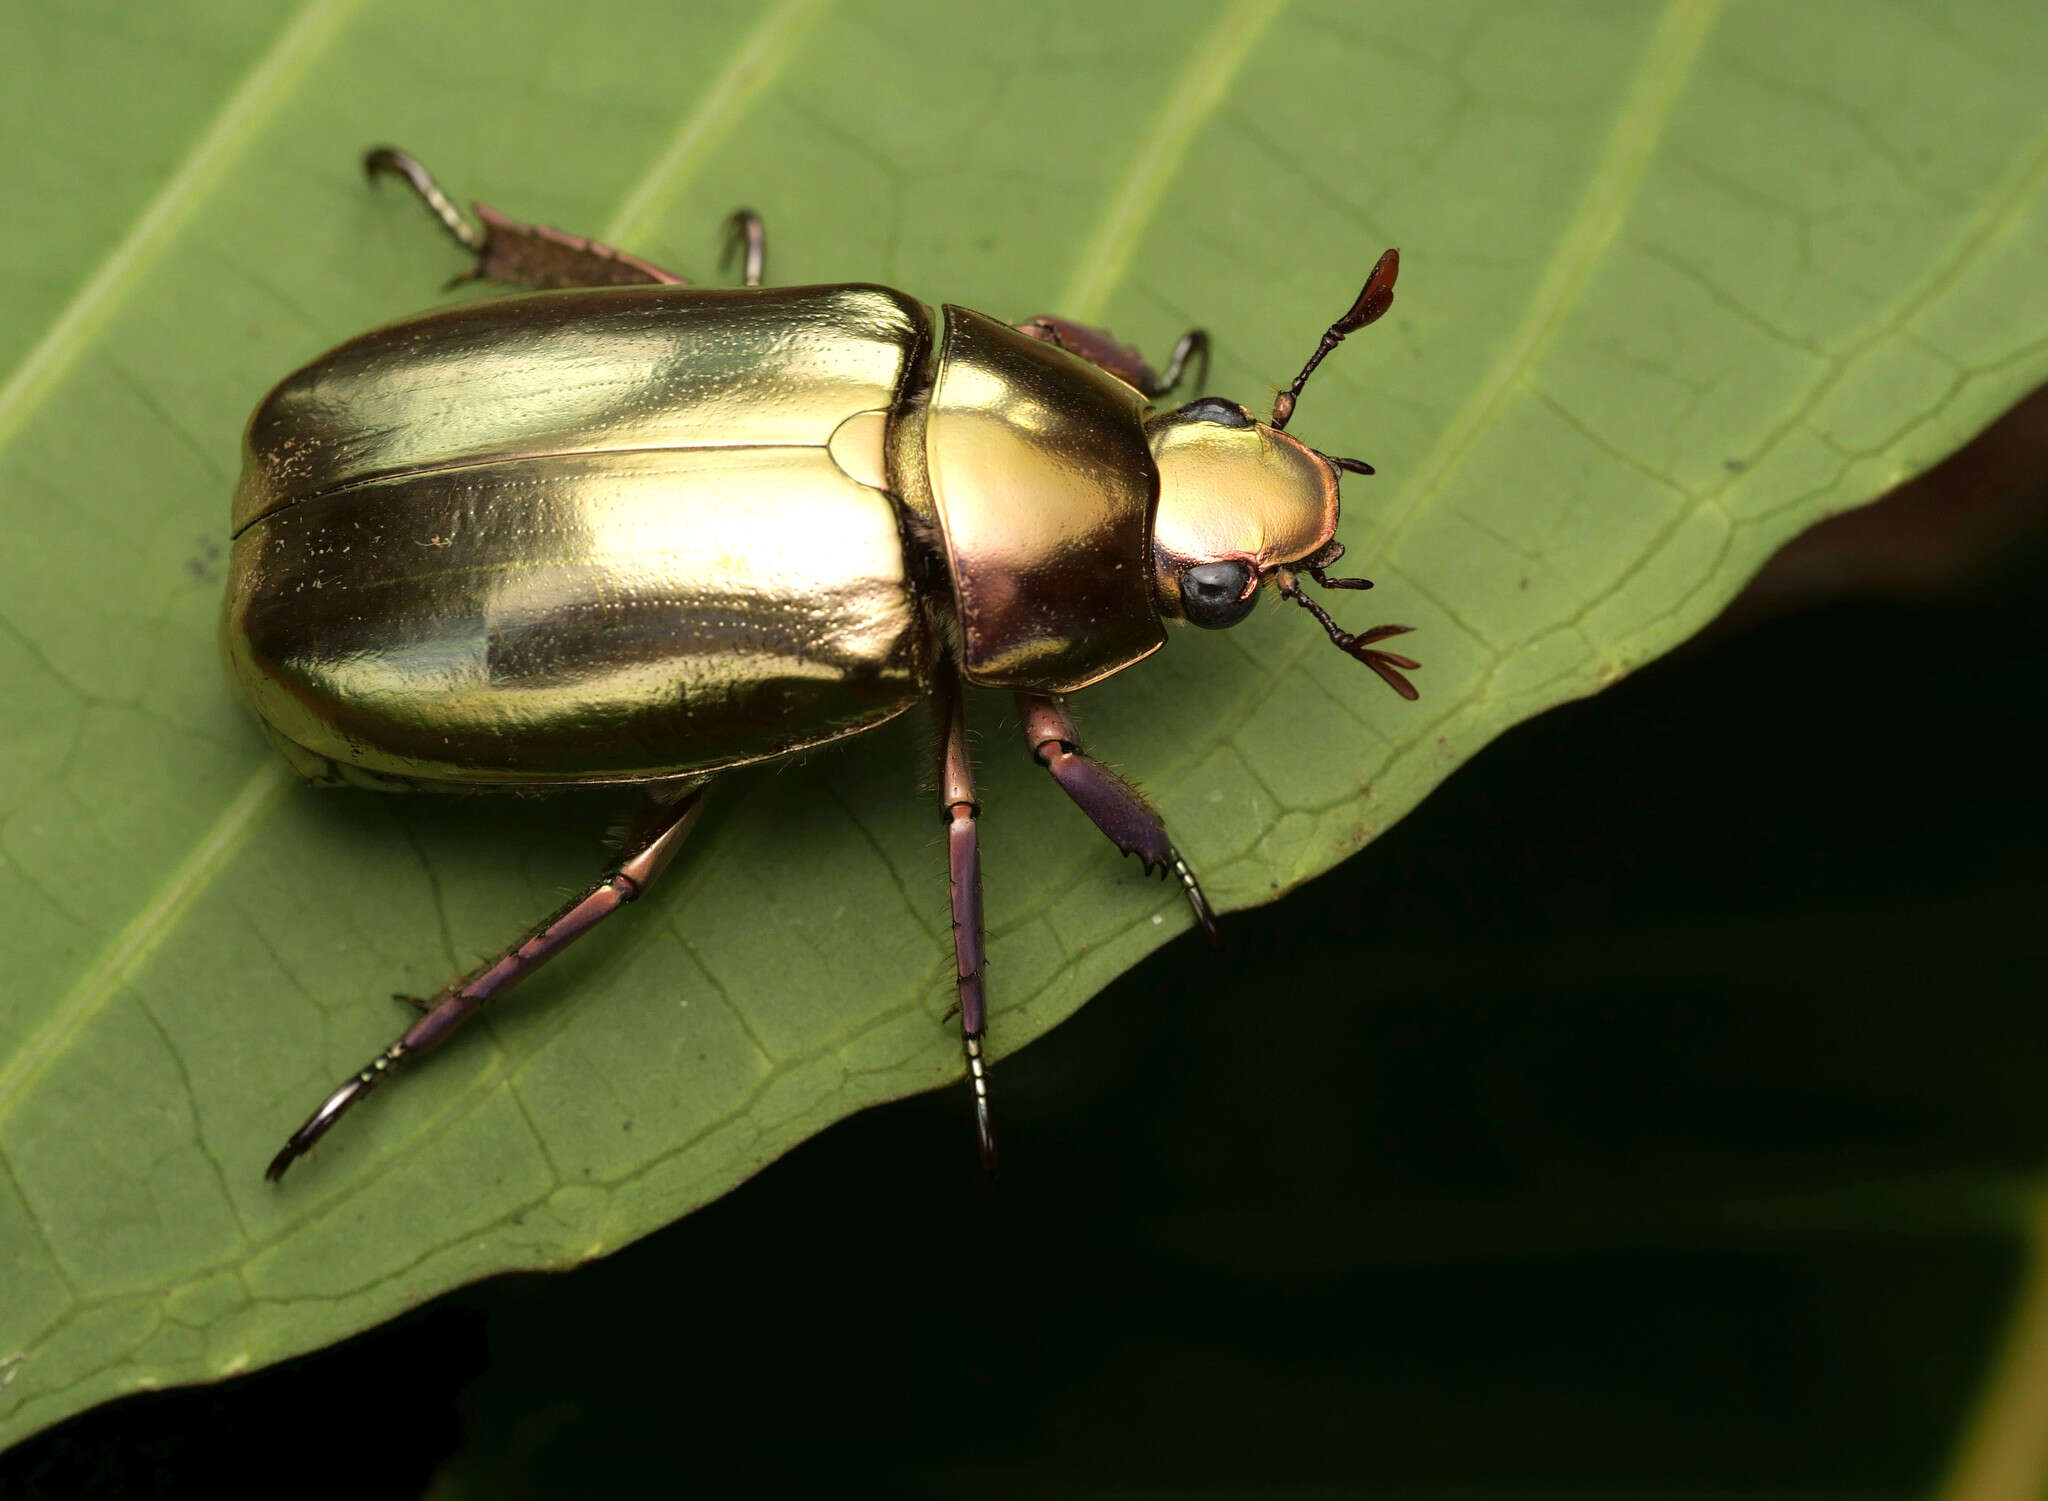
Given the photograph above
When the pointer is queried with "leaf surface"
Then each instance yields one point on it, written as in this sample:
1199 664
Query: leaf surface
1677 283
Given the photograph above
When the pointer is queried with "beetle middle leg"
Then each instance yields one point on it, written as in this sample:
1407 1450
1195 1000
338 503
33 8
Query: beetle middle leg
645 855
1100 348
963 860
746 244
1114 805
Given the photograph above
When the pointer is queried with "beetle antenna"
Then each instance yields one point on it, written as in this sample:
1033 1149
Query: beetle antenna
439 204
1387 664
1374 298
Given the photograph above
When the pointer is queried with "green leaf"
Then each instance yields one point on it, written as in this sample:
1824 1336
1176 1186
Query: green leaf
1676 284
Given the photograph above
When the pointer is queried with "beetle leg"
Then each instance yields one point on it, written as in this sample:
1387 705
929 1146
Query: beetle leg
1102 349
525 255
1116 807
646 854
963 859
746 243
534 255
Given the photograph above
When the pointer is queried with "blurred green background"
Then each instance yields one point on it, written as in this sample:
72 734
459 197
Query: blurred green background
1656 1112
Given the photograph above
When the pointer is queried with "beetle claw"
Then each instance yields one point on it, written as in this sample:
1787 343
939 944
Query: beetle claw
985 1138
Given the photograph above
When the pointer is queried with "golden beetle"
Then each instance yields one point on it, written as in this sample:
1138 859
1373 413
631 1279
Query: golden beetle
626 530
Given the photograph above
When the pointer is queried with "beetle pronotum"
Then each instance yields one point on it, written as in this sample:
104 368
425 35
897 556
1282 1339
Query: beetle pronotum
626 530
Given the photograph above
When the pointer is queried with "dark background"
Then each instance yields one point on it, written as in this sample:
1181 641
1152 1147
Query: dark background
1655 1110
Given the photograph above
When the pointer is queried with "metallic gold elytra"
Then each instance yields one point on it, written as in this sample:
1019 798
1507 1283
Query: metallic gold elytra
612 370
597 536
1235 492
580 618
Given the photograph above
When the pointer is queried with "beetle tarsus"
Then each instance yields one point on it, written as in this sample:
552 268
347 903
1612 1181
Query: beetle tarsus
746 246
333 1108
963 869
984 1127
1204 913
451 218
1194 344
515 254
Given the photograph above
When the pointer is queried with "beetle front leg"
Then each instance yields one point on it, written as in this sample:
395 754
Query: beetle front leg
1103 350
963 861
1114 805
646 854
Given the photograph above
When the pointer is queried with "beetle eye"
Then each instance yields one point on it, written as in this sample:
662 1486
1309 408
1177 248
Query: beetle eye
1214 595
1215 409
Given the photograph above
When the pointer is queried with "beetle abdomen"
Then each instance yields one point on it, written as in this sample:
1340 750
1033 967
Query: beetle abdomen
409 601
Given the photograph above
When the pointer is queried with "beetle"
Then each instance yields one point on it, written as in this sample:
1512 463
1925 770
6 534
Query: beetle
622 529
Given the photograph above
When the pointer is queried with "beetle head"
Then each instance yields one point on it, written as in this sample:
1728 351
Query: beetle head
1237 500
1243 503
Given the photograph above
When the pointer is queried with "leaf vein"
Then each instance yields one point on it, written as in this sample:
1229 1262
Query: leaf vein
265 86
132 947
1638 128
1237 30
757 63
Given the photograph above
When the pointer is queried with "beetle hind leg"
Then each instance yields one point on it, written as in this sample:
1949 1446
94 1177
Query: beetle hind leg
1104 350
521 255
1112 804
963 861
645 855
450 217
